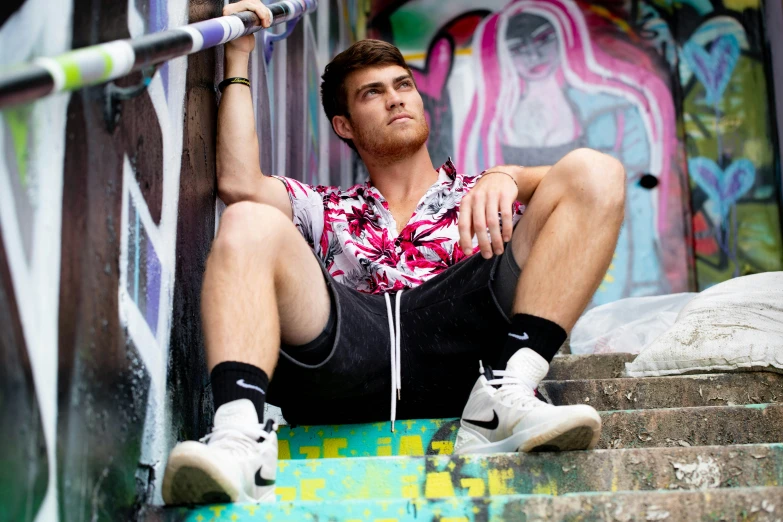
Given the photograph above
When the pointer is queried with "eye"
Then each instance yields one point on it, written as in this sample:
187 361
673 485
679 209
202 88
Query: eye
405 83
369 92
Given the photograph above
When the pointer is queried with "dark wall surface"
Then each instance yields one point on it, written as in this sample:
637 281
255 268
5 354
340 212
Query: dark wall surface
106 220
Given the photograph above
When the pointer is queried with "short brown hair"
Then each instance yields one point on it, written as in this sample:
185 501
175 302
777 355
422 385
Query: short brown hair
364 53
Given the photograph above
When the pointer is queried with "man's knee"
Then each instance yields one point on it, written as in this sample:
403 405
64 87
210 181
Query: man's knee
597 179
247 226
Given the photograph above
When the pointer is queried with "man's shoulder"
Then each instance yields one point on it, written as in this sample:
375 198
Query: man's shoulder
294 184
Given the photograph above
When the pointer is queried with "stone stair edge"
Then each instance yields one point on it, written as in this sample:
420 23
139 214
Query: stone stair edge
628 493
482 456
702 376
766 501
611 355
759 406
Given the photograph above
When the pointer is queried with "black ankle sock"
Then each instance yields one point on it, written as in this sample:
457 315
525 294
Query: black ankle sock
528 331
235 380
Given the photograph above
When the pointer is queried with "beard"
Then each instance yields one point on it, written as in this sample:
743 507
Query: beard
388 145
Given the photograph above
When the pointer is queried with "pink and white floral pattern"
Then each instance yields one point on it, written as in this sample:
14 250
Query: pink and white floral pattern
355 235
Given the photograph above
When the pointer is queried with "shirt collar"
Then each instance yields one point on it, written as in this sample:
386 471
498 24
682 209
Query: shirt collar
447 169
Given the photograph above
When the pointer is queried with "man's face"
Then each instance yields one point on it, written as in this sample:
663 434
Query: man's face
386 113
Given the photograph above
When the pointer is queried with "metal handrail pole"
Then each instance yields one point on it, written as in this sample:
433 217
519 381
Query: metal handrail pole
105 62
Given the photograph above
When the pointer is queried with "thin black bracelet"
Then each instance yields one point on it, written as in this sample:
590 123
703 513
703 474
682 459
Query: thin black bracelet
228 81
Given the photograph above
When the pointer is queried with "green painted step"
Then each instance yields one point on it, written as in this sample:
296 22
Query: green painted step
751 504
514 473
702 426
722 389
595 366
411 437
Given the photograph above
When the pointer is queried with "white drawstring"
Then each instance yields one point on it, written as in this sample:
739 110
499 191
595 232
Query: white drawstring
396 366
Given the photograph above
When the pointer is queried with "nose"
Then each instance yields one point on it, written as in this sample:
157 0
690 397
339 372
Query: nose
394 100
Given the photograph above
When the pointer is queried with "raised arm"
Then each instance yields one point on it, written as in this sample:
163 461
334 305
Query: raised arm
238 171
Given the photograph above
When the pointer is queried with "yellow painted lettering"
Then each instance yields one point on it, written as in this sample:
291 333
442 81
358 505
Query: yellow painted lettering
498 481
332 448
283 450
410 486
438 485
411 445
287 494
310 452
310 488
475 486
443 447
384 447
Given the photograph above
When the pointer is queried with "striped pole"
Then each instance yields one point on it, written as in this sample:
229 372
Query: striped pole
104 62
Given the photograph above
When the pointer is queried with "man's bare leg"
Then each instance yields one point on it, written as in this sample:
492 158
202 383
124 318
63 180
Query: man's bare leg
563 244
262 283
567 236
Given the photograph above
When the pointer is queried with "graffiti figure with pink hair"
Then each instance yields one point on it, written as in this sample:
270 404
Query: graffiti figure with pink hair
544 88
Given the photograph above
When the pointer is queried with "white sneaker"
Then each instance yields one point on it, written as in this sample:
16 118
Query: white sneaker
236 462
503 414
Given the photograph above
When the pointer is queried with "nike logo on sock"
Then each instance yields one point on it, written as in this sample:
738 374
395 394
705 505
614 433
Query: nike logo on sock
522 337
490 425
261 481
242 383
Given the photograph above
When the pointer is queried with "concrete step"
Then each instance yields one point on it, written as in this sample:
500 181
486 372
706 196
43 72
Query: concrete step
596 366
756 504
719 389
550 473
702 426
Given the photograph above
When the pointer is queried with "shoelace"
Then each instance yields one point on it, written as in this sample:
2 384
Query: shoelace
236 436
396 363
519 392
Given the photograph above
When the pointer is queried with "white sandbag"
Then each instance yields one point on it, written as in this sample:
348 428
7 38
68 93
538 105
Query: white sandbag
736 325
626 325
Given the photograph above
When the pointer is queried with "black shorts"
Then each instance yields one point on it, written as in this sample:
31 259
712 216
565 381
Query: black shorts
447 325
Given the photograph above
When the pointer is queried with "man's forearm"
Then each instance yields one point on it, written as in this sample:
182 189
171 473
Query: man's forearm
237 142
527 179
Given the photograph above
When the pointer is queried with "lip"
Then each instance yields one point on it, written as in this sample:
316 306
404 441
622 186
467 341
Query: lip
402 116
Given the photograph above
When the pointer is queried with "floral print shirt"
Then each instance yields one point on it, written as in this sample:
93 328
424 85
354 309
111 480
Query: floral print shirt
355 235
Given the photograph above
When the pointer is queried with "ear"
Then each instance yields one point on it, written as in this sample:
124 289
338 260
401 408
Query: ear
342 127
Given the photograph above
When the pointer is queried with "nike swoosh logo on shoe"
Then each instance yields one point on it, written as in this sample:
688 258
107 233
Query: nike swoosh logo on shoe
261 481
242 383
489 425
522 337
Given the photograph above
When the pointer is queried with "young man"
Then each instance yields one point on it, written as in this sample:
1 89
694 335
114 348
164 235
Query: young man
418 275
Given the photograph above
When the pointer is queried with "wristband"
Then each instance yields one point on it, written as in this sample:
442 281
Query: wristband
501 172
228 81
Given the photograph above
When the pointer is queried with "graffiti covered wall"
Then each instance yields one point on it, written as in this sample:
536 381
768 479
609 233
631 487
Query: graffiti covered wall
676 91
106 219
